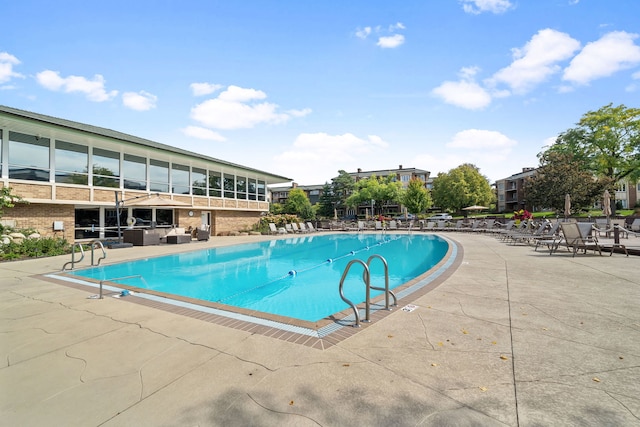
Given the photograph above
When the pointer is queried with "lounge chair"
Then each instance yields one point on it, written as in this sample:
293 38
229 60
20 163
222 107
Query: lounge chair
393 225
441 225
530 234
295 228
288 228
430 226
303 227
379 225
310 227
275 230
550 238
635 225
578 240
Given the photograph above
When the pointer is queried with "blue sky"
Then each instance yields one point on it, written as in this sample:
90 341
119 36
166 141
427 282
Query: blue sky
306 88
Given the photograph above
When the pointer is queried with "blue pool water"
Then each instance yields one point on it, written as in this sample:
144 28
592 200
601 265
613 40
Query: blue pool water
296 277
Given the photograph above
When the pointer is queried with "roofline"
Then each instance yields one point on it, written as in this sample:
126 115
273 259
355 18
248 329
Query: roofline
109 133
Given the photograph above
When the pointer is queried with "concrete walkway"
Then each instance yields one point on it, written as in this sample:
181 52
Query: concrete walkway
513 338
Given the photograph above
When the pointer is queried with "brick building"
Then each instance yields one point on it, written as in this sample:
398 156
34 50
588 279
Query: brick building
71 174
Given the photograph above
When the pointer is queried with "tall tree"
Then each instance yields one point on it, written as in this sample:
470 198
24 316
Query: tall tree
383 191
341 187
325 204
461 187
608 140
416 198
298 204
562 173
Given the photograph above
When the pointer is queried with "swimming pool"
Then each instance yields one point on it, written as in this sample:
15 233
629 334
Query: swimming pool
293 277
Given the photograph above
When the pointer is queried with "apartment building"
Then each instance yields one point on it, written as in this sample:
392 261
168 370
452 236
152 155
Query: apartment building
79 178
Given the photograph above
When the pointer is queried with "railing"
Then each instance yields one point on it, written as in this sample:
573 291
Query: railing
386 290
80 246
366 277
119 278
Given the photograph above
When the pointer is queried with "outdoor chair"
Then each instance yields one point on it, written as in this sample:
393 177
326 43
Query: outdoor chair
275 230
576 238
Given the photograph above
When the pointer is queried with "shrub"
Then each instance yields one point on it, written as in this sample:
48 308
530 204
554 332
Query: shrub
33 248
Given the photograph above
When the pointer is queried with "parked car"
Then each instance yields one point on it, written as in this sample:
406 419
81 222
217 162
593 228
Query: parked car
441 217
409 216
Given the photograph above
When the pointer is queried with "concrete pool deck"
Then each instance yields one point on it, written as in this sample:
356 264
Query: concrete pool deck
513 337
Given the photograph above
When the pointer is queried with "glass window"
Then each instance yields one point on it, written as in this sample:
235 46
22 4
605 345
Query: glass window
229 186
28 157
261 190
142 216
199 182
215 184
159 176
87 223
164 216
253 189
106 168
179 179
241 187
134 171
72 163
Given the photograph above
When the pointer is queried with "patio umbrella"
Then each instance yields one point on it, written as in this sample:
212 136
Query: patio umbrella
567 206
475 208
606 205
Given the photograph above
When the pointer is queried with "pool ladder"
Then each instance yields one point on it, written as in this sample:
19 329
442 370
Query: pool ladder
366 277
92 244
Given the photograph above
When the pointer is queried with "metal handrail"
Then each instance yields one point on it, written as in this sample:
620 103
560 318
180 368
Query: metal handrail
386 281
118 278
73 256
93 244
366 278
101 246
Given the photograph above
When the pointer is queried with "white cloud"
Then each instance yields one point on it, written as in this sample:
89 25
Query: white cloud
478 139
479 6
236 108
203 133
93 89
390 42
7 62
536 61
322 147
299 113
314 155
363 33
615 51
387 37
200 89
465 93
141 101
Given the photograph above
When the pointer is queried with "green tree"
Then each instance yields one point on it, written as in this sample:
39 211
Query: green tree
298 204
416 198
461 187
383 191
607 141
325 203
341 188
562 173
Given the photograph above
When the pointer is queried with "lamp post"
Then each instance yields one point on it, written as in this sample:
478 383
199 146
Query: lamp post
372 212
